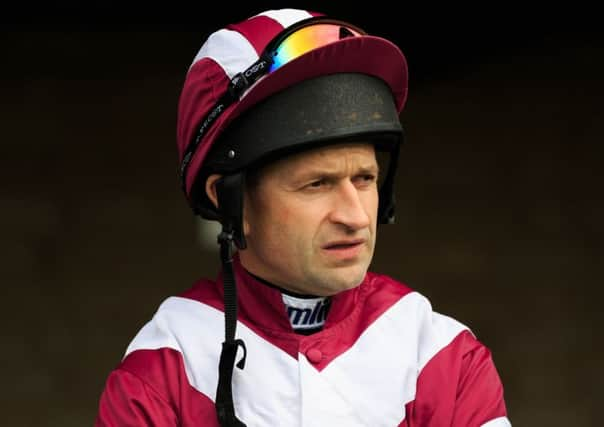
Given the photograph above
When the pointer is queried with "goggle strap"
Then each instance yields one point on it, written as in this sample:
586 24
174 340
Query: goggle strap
244 80
224 101
238 84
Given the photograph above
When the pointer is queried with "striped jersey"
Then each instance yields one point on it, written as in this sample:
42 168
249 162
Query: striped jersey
383 358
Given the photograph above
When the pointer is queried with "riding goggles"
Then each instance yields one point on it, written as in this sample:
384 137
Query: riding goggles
291 43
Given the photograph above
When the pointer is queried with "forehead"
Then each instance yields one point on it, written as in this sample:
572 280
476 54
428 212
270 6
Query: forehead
352 154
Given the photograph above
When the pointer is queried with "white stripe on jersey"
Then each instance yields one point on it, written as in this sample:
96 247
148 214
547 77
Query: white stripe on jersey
386 366
220 47
196 330
498 422
386 359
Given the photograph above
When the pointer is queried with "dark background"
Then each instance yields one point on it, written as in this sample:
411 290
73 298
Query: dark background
499 194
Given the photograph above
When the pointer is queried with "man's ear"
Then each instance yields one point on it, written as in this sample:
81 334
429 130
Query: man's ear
224 191
211 188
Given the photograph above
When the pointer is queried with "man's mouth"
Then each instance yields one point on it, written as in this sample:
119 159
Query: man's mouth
344 250
343 244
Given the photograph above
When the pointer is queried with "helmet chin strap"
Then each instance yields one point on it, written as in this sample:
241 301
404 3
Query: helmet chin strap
387 202
232 232
229 192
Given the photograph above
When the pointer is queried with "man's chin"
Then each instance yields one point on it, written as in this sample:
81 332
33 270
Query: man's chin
348 278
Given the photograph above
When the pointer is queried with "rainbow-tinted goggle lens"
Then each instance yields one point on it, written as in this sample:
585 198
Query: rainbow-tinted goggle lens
295 44
288 45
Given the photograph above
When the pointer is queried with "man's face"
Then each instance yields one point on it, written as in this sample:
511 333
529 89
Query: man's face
310 220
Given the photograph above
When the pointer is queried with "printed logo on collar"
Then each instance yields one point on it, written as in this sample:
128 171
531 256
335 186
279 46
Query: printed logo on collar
306 313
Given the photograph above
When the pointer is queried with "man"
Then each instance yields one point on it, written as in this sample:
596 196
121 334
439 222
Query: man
280 120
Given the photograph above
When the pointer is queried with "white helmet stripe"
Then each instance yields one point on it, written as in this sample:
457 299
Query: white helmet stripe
287 17
229 49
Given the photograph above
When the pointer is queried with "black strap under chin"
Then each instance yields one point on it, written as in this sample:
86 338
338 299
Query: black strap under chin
229 191
225 408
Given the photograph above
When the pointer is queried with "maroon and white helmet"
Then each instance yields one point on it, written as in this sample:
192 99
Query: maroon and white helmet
244 64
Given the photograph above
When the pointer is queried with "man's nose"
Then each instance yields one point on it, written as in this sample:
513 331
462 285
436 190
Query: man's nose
348 207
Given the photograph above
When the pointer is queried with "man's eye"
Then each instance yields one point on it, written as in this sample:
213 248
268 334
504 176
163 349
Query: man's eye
317 184
365 179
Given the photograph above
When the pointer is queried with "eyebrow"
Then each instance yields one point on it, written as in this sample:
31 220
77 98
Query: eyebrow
366 170
318 172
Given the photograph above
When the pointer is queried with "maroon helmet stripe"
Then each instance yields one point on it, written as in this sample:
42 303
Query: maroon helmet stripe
258 30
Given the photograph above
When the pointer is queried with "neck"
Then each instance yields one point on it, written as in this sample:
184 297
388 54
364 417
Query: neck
306 313
282 290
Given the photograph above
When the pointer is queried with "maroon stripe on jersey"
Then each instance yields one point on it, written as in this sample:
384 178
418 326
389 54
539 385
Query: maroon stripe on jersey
151 387
259 31
459 387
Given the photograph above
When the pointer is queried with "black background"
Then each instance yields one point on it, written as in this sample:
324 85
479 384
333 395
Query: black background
499 194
